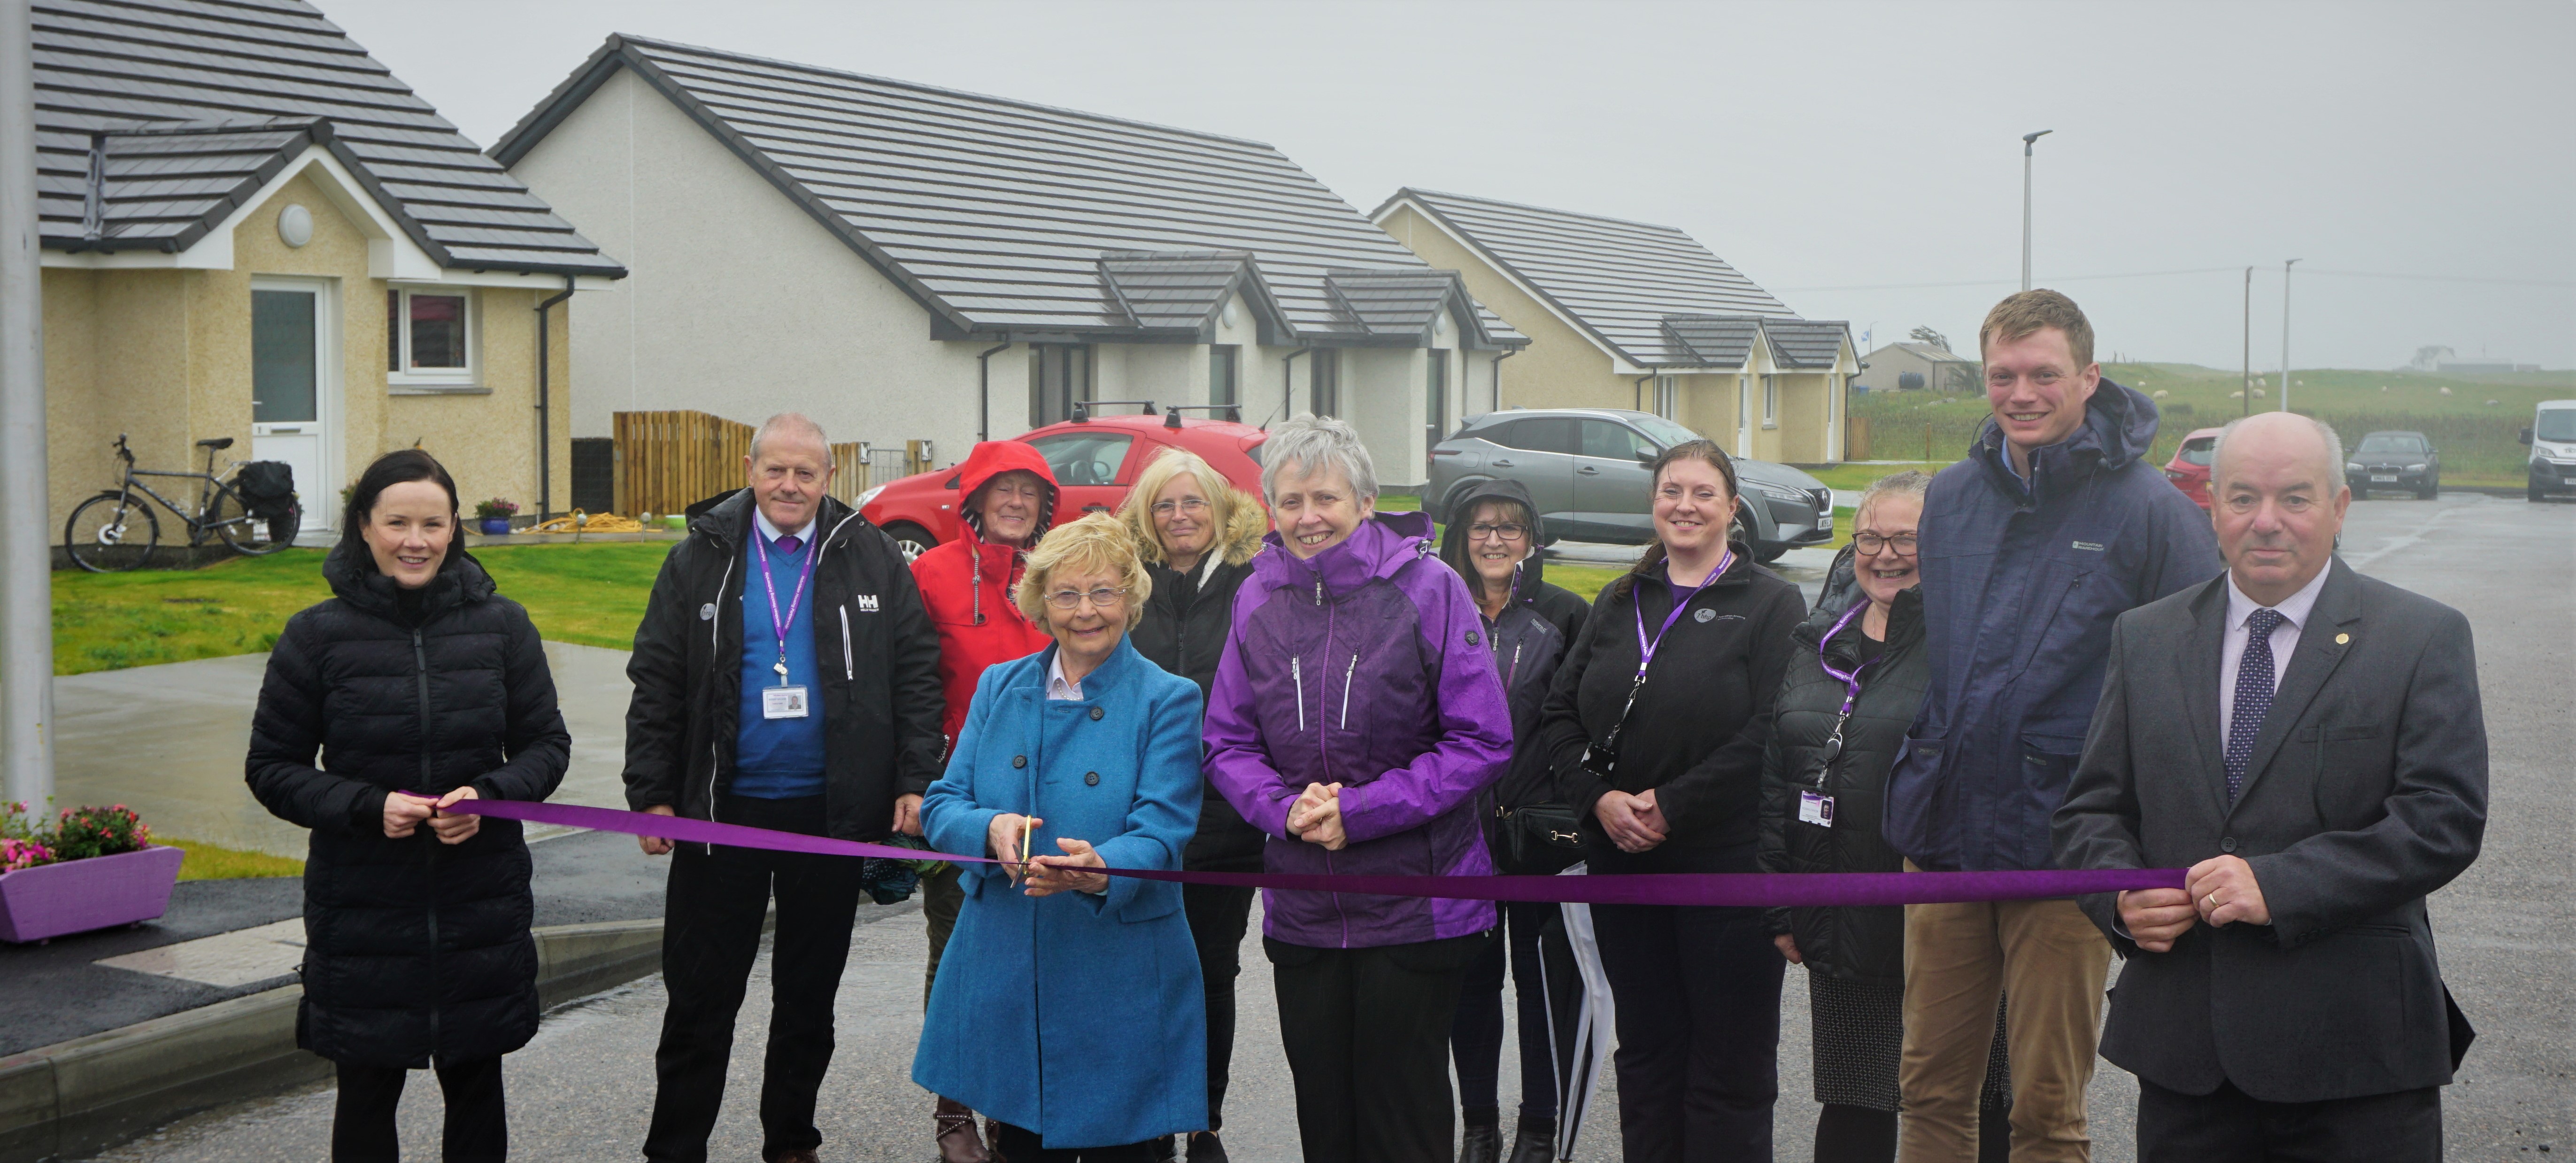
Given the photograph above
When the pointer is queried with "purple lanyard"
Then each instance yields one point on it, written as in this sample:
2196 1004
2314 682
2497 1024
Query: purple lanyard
1851 678
1681 601
777 624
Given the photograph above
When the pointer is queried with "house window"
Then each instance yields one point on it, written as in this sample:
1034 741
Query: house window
1059 375
1222 361
429 336
1770 401
1666 396
1327 381
1435 394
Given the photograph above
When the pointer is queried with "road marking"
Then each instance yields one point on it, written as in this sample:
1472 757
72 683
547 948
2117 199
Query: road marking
2396 541
225 960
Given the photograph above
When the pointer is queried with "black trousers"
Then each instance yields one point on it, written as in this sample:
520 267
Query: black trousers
478 1122
710 938
1218 917
1021 1145
2229 1126
1476 1036
1698 993
1367 1036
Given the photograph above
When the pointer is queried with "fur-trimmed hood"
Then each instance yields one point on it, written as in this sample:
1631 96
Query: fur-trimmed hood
1236 544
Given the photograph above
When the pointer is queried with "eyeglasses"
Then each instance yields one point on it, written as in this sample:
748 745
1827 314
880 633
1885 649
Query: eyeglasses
1869 544
1105 597
1190 505
1481 531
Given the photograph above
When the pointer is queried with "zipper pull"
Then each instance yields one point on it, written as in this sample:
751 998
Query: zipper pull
1346 691
1297 679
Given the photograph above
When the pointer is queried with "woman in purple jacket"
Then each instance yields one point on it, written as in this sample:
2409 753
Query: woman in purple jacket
1355 716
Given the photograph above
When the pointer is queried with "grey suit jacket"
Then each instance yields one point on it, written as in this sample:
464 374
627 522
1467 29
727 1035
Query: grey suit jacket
2367 790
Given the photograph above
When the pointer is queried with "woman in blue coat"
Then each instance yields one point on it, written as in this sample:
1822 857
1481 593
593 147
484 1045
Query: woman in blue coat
1070 1008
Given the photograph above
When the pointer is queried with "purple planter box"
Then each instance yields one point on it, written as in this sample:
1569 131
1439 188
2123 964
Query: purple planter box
76 896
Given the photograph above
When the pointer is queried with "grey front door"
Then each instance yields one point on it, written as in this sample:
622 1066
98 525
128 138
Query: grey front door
1612 489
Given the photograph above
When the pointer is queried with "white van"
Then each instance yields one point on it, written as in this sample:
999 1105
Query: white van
2552 437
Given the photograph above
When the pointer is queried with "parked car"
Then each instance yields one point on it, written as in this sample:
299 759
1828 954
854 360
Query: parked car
2552 437
2189 468
1586 469
2395 460
1094 460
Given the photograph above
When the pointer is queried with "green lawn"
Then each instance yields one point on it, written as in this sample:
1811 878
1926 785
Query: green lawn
2476 437
589 594
209 862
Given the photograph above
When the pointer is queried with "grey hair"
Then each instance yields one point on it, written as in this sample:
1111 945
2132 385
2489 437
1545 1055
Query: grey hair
786 422
2325 431
1910 483
1313 443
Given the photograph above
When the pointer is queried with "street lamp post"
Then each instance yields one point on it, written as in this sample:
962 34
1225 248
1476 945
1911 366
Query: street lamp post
26 565
2026 141
2285 333
2246 395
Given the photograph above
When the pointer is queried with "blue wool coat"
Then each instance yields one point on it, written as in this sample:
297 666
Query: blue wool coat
1078 1016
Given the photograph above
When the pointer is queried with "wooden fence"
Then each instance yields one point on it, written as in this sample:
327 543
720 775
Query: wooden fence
668 461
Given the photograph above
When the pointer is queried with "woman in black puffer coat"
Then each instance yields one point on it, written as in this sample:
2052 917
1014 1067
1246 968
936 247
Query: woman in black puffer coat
419 687
1866 629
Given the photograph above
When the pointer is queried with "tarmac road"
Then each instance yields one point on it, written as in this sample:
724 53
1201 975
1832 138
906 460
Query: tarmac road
2507 931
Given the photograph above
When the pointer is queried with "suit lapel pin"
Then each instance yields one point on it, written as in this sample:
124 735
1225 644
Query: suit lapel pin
2343 639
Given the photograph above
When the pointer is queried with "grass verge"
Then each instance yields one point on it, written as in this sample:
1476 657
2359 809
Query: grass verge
588 594
212 862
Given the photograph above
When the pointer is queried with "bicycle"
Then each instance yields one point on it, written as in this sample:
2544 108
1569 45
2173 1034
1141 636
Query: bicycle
104 536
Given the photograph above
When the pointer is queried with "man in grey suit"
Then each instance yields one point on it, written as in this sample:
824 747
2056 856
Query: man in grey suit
2309 742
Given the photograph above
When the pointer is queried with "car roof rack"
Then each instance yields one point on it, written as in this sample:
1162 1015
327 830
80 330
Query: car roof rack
1172 415
1082 408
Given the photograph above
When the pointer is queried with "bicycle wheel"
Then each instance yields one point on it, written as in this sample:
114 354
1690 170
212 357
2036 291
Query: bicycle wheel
111 533
245 531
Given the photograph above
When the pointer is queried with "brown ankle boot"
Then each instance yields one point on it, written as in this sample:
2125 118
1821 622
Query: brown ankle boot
958 1142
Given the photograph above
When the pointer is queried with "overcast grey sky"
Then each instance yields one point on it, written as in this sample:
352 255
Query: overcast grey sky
1841 155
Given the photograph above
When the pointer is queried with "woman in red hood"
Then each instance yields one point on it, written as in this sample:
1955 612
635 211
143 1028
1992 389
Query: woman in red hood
1007 500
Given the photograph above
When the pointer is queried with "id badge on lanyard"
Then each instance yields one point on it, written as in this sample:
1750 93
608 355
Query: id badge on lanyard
784 701
1814 806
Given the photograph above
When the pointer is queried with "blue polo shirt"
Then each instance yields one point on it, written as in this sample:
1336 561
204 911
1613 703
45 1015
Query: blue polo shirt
777 759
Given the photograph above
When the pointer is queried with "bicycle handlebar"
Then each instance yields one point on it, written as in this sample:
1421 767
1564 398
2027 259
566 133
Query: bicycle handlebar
122 451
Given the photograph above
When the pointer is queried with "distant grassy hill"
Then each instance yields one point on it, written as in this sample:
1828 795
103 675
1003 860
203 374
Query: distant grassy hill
2476 437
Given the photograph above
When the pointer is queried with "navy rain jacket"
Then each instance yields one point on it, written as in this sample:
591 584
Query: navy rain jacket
2020 586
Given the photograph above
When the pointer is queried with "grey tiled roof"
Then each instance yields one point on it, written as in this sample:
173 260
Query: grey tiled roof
1178 290
287 79
1712 340
996 214
1616 279
1805 343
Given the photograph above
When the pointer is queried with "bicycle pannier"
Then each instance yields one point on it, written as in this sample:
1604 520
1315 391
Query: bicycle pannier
267 488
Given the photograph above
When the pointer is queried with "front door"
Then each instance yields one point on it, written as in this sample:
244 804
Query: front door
294 396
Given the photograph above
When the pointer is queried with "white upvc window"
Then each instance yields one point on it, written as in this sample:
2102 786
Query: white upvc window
432 336
1667 396
1770 401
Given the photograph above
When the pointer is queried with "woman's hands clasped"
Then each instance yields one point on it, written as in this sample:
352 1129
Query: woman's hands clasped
1049 875
1634 822
405 812
1316 817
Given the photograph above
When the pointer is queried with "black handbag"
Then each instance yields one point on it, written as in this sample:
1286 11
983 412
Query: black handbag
1539 839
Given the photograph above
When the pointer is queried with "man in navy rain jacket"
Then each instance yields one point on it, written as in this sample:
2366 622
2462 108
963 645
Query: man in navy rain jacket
2054 525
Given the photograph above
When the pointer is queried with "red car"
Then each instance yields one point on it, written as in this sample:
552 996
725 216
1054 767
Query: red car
1094 461
2189 468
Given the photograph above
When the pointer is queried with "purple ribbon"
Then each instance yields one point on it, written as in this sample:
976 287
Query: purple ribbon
1736 889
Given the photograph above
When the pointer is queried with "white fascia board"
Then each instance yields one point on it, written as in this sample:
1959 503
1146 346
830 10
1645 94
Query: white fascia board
1495 265
391 253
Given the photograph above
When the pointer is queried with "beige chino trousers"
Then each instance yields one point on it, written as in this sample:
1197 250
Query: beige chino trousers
2049 962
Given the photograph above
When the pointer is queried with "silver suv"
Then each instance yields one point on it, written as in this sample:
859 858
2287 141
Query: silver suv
1586 468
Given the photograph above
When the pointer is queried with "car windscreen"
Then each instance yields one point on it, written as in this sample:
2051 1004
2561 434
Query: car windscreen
2198 450
2556 424
2386 443
1084 458
1664 431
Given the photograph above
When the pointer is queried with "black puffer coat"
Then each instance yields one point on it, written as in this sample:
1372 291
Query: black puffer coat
1529 640
413 949
1861 944
1184 631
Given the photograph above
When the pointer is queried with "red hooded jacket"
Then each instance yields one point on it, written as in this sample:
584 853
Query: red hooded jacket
966 584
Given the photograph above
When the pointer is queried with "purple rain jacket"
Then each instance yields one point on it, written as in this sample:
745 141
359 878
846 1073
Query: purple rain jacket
1364 665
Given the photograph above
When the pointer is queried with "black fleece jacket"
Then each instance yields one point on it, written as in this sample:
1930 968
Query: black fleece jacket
1700 724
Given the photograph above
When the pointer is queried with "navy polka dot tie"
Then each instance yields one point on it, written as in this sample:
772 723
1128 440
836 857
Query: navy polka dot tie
2253 695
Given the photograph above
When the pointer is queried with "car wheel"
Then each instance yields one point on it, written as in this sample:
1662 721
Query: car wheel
2431 489
912 539
2535 492
1766 554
